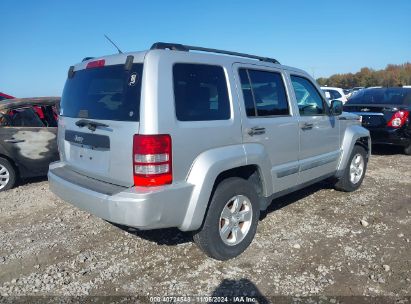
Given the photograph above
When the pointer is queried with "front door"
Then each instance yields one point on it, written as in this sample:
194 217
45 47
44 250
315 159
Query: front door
268 120
318 131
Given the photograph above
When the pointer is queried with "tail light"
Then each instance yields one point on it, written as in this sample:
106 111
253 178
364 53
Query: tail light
152 160
96 64
398 119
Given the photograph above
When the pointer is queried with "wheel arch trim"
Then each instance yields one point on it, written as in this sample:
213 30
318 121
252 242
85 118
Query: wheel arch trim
204 172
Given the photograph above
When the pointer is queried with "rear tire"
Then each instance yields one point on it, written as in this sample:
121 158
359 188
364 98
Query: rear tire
354 172
407 150
7 175
231 220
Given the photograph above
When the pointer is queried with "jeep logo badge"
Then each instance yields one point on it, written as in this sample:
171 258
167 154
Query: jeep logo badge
78 139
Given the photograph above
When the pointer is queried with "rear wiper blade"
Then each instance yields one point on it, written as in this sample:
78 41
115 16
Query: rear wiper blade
92 125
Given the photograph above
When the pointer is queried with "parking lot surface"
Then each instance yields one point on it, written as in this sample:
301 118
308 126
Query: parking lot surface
317 241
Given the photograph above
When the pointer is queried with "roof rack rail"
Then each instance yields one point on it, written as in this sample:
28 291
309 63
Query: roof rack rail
186 48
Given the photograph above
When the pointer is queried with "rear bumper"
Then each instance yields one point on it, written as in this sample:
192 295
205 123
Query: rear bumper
142 208
390 136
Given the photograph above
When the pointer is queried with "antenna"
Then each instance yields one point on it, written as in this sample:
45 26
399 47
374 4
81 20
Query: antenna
119 51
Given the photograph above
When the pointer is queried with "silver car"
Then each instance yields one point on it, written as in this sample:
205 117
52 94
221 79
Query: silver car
199 139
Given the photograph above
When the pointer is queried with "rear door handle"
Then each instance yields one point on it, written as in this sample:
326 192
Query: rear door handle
256 131
14 141
307 126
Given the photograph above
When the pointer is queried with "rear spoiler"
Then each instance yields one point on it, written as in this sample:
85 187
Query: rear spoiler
127 65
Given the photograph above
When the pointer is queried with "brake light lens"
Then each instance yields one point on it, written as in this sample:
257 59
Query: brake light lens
398 119
96 64
152 160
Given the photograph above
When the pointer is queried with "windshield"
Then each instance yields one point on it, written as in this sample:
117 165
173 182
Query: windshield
107 93
395 96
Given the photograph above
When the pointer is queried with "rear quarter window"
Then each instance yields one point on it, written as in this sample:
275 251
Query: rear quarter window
200 92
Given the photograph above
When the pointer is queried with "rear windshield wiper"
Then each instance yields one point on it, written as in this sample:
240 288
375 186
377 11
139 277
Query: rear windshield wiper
92 125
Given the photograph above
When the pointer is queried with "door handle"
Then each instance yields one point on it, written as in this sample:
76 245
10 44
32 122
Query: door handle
256 131
14 141
307 126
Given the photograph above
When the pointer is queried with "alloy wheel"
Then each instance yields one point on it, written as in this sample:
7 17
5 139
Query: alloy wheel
235 220
4 176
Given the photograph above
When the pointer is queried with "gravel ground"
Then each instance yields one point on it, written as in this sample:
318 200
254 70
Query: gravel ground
316 242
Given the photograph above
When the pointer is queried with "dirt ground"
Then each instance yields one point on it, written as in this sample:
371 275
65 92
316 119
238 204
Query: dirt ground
316 242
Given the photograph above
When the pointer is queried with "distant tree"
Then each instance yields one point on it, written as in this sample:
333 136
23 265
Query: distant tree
392 75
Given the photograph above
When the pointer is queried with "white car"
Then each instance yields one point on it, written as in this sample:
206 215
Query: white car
334 93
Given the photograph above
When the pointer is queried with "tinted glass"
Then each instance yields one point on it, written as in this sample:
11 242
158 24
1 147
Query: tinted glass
247 93
395 96
267 93
4 120
200 92
47 114
110 93
25 117
309 100
334 94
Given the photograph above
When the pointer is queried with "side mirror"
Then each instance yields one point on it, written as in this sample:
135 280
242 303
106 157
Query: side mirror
336 107
328 95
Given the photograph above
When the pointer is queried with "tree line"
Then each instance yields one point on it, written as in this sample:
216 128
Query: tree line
393 75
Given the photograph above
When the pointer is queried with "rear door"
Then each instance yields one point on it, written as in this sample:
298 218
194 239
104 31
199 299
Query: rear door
318 131
268 120
99 116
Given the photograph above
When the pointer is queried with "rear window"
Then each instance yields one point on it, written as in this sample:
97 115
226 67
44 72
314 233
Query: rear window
107 93
394 96
200 92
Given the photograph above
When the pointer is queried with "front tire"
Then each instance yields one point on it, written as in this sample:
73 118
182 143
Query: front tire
231 220
354 172
407 150
7 175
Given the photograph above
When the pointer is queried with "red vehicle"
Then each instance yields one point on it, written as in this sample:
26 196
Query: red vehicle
5 96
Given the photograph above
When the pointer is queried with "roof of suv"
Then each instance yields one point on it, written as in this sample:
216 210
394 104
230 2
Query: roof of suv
169 48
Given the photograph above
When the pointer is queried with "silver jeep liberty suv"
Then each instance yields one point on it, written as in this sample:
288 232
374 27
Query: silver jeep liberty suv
199 139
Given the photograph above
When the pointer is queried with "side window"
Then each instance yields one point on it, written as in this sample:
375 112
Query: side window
4 119
309 100
333 94
330 95
264 93
25 117
200 92
47 115
247 93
